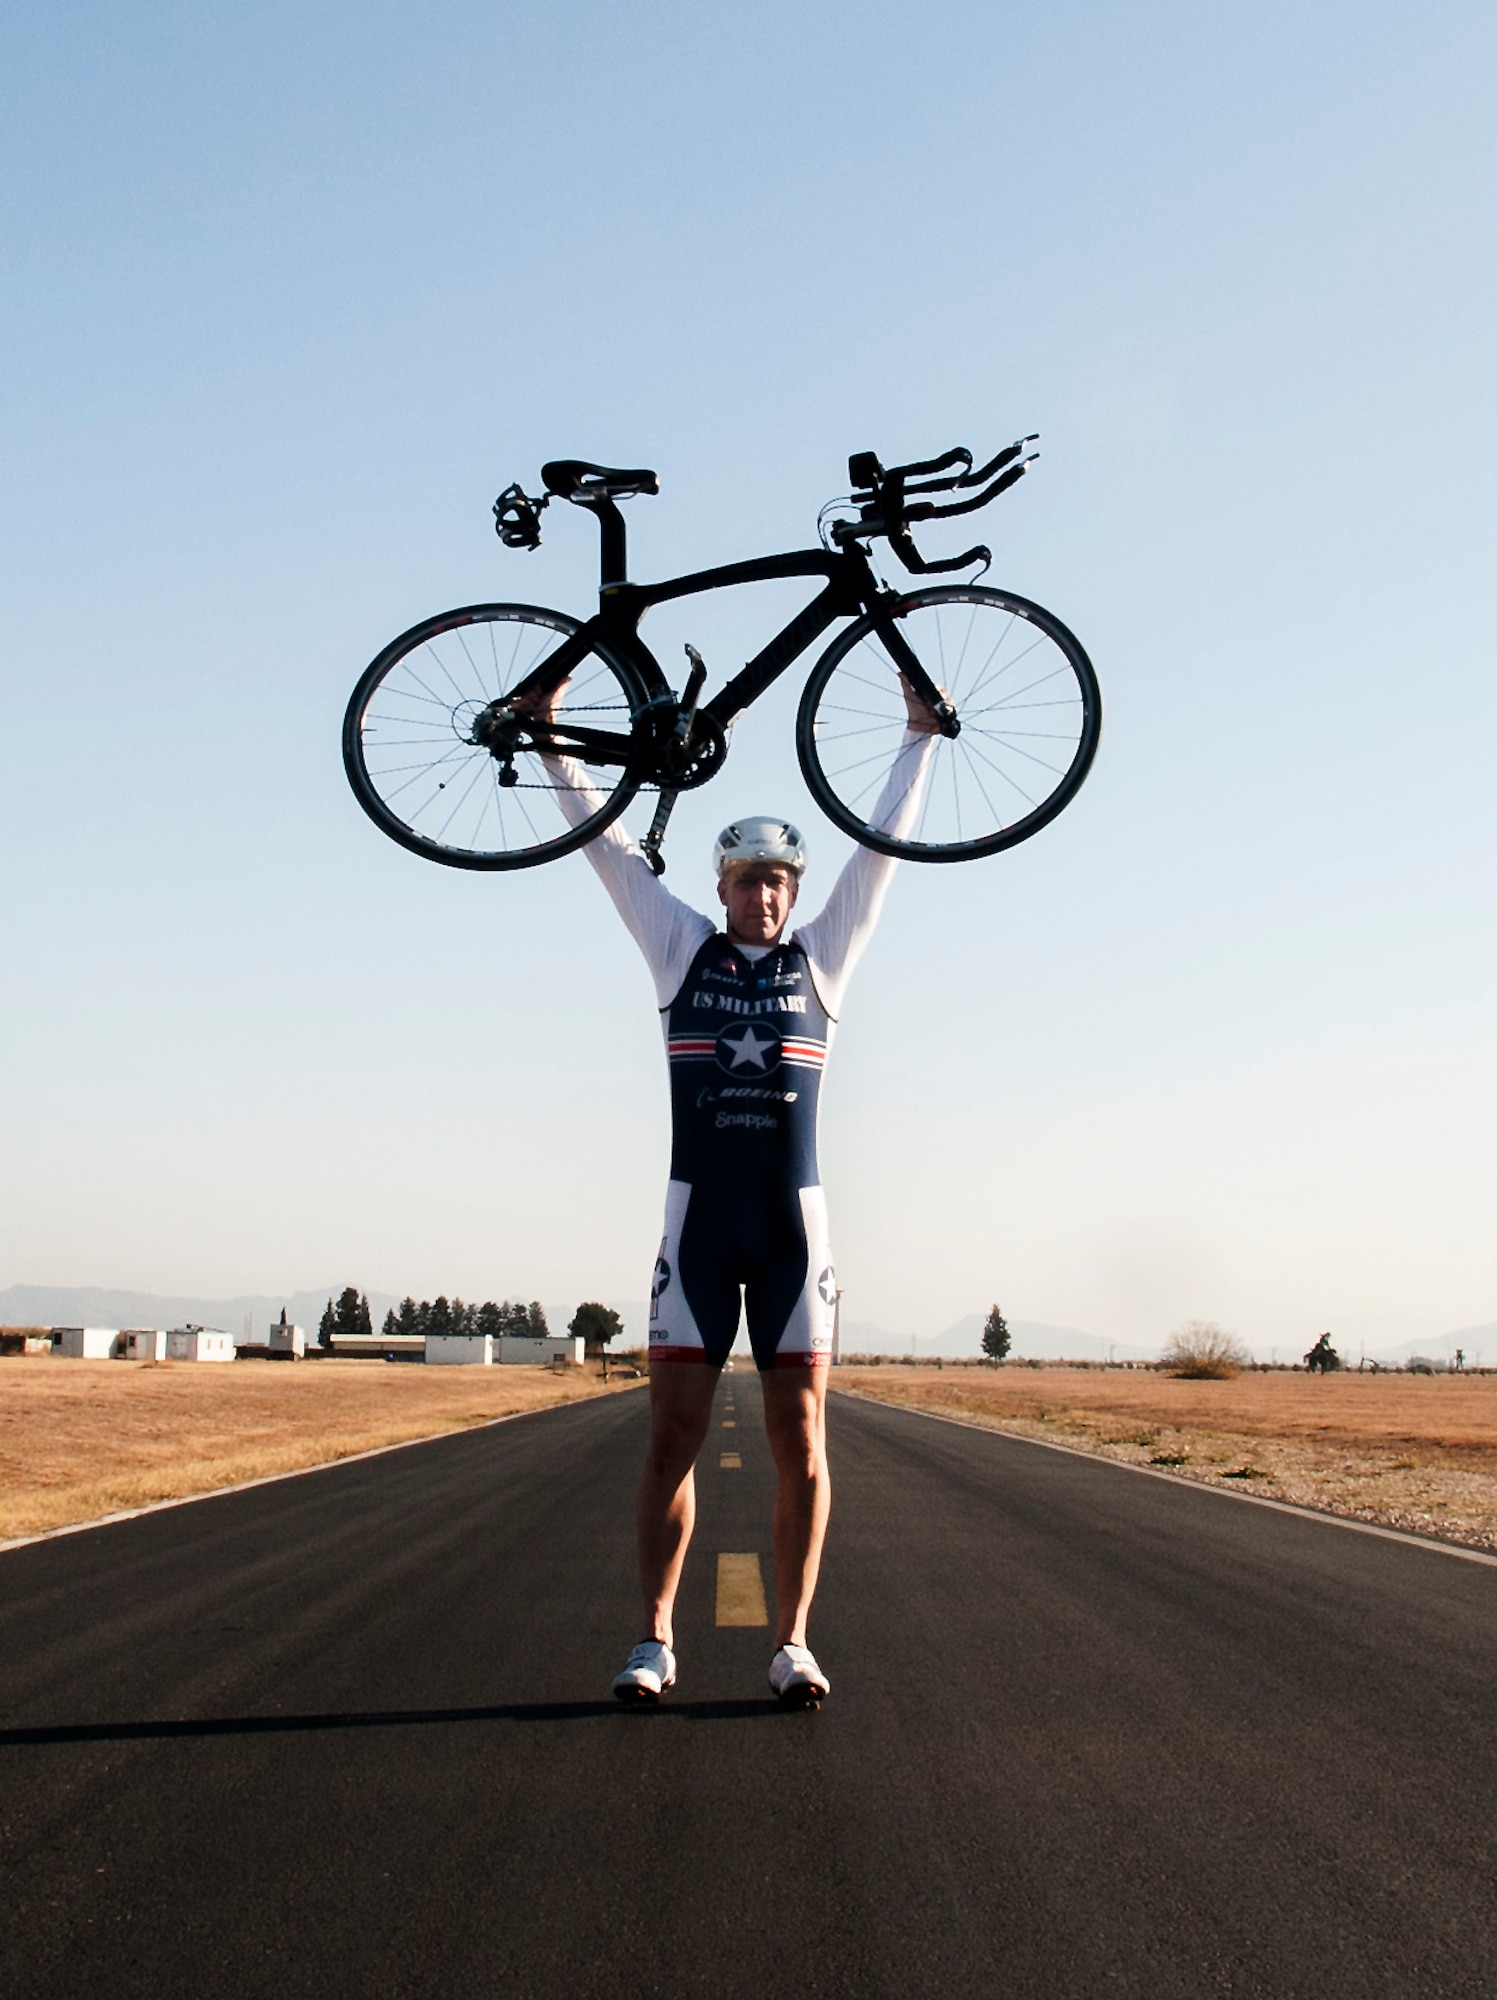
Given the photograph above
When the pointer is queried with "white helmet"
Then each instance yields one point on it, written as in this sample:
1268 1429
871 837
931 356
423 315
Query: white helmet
774 841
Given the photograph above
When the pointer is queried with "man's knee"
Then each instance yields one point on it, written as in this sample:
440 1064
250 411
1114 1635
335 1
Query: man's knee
793 1421
680 1412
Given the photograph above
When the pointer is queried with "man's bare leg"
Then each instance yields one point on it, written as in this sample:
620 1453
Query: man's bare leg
795 1420
681 1394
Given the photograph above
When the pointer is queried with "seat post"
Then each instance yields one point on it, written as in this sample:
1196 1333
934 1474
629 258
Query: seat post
615 567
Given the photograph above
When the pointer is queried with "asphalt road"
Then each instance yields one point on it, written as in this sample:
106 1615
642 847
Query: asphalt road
1089 1734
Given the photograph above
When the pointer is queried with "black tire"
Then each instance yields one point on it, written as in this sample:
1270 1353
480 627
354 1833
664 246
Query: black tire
425 782
1026 698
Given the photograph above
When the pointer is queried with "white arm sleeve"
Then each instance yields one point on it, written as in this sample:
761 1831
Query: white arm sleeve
837 939
668 931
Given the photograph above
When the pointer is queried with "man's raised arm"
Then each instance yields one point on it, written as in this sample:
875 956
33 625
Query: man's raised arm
668 931
837 939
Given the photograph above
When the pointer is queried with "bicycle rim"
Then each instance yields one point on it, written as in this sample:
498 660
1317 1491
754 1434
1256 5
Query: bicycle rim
1026 698
414 767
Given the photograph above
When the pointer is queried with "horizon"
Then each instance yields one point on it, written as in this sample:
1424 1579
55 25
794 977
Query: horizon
1030 1337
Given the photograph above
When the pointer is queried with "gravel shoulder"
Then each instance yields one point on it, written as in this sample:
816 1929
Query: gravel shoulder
1417 1453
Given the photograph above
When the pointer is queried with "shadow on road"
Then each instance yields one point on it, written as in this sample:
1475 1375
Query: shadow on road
396 1718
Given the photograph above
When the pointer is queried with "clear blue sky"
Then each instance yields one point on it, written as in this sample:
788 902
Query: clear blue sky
290 293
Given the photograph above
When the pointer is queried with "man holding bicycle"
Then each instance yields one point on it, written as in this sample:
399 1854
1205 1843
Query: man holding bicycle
749 1014
461 742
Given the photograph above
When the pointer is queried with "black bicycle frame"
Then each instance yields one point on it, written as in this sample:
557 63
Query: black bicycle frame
851 588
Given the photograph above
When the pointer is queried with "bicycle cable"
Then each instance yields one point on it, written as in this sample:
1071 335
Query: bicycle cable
822 527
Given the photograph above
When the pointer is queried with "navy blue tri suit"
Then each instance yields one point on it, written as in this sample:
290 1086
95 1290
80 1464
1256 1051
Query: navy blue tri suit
747 1029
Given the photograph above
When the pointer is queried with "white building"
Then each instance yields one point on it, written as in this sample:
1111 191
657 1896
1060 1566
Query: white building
199 1343
543 1347
85 1343
142 1343
448 1349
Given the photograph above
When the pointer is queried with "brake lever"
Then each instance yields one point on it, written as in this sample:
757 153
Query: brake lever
903 546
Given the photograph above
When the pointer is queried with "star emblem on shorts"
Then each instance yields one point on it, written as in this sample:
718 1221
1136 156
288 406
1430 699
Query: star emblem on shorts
827 1285
748 1051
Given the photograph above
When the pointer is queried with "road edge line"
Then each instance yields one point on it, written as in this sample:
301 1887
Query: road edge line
1195 1485
275 1478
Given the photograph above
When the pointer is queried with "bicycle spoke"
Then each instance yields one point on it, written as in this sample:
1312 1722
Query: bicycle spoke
842 735
442 663
425 770
977 780
1006 776
462 640
991 674
460 802
404 694
413 742
525 814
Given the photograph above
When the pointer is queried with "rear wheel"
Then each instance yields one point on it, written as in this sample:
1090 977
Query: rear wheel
442 763
1025 697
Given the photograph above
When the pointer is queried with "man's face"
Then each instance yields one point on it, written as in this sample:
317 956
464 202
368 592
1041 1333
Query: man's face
758 898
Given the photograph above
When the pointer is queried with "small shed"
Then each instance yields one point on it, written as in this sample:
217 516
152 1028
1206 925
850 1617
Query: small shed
142 1343
199 1343
447 1349
287 1340
85 1343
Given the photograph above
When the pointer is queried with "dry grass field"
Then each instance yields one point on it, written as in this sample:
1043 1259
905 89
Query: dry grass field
1414 1452
81 1439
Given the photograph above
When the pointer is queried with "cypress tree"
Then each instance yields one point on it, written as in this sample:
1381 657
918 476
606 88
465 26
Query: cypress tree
995 1336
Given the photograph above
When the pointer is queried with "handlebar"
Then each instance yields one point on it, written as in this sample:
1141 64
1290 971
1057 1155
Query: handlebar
882 498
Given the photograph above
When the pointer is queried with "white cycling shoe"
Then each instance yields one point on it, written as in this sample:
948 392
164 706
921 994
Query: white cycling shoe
649 1670
796 1678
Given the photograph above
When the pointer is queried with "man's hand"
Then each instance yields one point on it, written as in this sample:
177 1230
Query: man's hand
923 720
540 705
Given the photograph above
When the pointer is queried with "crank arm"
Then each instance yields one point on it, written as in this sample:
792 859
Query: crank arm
651 843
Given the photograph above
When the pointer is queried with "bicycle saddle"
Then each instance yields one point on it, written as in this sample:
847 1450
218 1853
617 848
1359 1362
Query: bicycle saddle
575 479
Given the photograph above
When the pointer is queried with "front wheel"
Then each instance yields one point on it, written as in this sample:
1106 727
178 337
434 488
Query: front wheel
443 764
1026 700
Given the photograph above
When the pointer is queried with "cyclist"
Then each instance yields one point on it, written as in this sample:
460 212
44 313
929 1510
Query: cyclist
749 1014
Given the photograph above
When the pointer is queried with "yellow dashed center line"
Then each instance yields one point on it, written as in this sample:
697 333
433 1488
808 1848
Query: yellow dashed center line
740 1591
729 1424
731 1461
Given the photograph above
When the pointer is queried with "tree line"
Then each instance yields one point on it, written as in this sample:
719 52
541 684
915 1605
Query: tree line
349 1314
442 1315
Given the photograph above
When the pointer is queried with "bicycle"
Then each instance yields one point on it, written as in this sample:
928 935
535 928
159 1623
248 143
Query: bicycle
464 736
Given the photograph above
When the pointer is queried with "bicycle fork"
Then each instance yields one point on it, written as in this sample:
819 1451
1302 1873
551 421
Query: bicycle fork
685 717
905 659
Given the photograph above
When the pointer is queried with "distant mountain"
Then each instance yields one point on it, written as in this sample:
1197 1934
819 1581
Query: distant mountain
1031 1340
862 1336
100 1305
1472 1340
